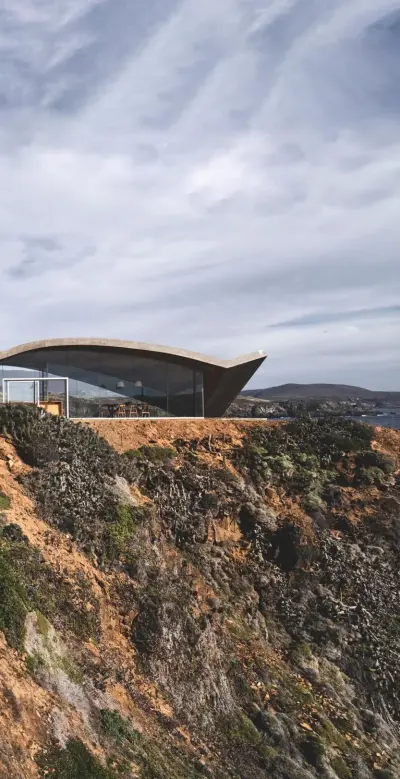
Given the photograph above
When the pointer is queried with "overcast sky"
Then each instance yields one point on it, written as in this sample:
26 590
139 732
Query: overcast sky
221 175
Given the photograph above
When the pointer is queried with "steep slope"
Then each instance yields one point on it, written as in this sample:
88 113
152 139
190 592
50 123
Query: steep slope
216 600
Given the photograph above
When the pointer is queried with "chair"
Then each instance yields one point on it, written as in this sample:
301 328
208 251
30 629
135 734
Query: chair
145 410
104 411
121 411
132 411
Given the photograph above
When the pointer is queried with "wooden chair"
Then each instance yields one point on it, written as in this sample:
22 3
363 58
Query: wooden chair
104 411
121 411
132 411
145 410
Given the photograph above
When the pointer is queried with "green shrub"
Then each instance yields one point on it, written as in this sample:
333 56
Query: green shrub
73 472
302 652
32 664
5 502
119 533
302 456
340 768
308 461
373 459
13 605
312 502
281 464
158 455
13 532
46 591
329 438
118 728
245 731
73 762
313 750
370 476
41 439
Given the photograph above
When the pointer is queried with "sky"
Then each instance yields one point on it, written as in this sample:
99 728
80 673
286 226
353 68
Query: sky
219 175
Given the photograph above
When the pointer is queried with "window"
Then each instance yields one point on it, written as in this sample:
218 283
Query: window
102 379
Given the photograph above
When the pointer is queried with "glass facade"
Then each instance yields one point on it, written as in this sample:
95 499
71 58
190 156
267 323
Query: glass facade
112 383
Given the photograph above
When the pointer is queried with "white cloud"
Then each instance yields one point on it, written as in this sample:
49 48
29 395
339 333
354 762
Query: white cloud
204 174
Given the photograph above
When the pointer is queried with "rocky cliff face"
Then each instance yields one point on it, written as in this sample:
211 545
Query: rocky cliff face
247 406
204 599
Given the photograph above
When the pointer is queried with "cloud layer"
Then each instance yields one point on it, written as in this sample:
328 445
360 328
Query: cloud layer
218 175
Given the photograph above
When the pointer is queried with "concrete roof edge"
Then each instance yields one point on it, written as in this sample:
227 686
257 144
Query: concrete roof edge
168 351
259 356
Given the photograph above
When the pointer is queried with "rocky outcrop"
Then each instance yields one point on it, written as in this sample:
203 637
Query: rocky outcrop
245 407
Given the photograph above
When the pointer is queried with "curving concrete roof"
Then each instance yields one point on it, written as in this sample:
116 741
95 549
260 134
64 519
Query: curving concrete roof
223 379
134 346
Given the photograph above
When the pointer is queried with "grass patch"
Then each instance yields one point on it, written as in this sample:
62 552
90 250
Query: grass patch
73 762
43 625
156 761
74 673
5 502
302 652
13 605
313 751
370 476
332 736
120 534
28 583
244 730
32 664
117 727
340 768
158 455
312 502
374 459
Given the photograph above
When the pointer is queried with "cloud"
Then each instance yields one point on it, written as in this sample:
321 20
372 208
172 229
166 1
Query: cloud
223 176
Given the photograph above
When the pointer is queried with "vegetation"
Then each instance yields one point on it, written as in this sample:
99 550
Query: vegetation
73 762
313 750
241 597
157 455
117 728
13 604
311 457
120 532
5 502
340 768
28 583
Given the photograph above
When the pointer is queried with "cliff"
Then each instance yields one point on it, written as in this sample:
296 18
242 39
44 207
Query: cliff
186 599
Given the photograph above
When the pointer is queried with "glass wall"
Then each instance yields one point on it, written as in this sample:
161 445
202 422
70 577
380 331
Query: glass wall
111 383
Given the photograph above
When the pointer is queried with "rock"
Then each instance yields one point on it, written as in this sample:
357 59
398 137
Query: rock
319 519
120 488
214 603
61 727
356 552
391 504
10 462
251 515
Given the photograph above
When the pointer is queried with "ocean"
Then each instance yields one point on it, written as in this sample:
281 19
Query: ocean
385 420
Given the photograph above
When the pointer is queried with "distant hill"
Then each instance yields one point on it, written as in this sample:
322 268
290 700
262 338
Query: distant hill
327 391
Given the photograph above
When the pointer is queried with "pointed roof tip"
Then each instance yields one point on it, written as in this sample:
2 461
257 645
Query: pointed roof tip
257 356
